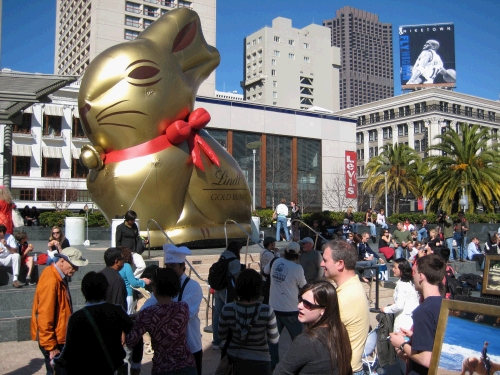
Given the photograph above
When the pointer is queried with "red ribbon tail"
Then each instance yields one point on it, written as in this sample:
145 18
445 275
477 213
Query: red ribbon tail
208 150
195 153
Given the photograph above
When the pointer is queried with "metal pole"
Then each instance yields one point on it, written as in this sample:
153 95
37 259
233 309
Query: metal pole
386 211
253 202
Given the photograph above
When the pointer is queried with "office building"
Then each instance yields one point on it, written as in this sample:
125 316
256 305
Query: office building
366 73
85 28
289 67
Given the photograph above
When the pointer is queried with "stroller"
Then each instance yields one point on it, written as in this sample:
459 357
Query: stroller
370 358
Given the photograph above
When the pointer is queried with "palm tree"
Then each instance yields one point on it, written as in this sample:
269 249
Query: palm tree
464 160
403 167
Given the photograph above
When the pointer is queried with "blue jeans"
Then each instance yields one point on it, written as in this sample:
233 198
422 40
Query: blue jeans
449 245
399 253
294 328
462 248
281 222
422 233
354 227
219 302
373 229
384 226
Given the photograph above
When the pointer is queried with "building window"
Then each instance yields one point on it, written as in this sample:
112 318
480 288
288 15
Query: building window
480 113
131 34
373 135
273 62
291 42
50 195
494 134
370 152
291 56
147 23
275 83
132 21
306 81
52 125
273 72
307 101
25 126
21 165
306 90
468 111
491 116
77 129
276 53
307 59
23 194
306 45
277 39
254 42
51 167
402 130
359 138
417 146
360 153
184 4
132 7
387 132
443 106
78 170
259 40
151 11
456 109
309 171
275 95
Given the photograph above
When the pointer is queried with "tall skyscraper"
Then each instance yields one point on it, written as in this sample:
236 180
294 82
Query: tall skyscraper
85 28
294 68
366 73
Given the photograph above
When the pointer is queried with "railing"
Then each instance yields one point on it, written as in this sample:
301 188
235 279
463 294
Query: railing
150 13
133 9
248 238
132 23
312 230
426 109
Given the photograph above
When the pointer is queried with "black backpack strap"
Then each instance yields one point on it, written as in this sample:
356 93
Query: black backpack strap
270 267
182 289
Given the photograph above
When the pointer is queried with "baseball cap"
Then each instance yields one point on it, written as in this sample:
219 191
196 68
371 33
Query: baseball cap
268 241
307 239
73 256
293 248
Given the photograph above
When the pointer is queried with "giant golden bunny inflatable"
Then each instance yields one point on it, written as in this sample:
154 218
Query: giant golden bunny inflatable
149 151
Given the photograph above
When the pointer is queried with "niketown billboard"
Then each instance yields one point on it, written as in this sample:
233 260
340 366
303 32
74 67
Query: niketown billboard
427 55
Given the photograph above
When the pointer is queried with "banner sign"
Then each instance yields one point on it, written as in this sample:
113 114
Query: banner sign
351 184
427 55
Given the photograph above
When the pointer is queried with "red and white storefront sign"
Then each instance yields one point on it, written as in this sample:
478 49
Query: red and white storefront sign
351 184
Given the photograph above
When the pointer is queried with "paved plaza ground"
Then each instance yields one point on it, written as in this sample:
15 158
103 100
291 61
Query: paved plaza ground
25 358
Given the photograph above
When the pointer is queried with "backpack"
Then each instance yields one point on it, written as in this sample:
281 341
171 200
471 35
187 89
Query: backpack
218 274
266 286
451 284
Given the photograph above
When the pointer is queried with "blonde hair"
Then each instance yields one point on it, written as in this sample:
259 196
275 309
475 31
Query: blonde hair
5 194
432 232
62 237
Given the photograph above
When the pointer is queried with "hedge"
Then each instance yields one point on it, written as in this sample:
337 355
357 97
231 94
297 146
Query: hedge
359 217
56 218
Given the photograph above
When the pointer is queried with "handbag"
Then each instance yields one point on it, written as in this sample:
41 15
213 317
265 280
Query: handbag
17 219
275 215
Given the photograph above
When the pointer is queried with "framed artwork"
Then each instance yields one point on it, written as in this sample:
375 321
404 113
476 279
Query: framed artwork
463 330
491 278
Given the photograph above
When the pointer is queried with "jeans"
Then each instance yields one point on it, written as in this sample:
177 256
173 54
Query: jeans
373 229
281 222
422 233
48 366
384 226
399 252
13 260
449 245
462 248
367 263
219 302
294 328
354 227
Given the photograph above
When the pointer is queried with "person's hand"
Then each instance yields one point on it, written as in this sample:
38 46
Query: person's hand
403 244
381 261
30 247
3 242
370 257
382 309
147 281
396 339
406 332
123 339
53 353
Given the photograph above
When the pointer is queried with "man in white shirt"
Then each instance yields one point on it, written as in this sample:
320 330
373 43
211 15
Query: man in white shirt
9 255
270 251
281 220
475 253
287 277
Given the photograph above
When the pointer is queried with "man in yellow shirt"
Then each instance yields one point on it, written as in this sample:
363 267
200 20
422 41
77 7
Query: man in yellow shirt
339 262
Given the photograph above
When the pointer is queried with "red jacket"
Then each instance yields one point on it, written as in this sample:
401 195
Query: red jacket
51 310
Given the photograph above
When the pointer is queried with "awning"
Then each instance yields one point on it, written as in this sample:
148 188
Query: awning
53 110
21 150
28 110
52 152
75 153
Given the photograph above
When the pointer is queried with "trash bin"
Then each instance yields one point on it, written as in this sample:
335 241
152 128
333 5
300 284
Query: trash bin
255 229
75 230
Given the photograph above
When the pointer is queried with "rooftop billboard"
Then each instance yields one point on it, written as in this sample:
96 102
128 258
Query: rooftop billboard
427 55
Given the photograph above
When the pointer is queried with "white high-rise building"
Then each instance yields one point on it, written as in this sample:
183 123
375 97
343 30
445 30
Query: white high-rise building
293 68
85 28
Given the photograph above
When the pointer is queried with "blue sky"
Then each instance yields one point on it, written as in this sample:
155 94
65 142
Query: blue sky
28 33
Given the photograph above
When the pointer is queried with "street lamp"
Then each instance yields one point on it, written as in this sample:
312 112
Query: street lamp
386 211
86 209
254 146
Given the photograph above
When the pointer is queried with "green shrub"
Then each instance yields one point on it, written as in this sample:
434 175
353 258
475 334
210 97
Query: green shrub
266 216
97 220
54 218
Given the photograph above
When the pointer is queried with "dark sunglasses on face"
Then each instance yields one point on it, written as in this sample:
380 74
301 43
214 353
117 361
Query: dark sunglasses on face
308 305
56 232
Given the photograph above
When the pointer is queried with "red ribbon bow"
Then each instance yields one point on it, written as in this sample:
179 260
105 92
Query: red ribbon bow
177 132
180 130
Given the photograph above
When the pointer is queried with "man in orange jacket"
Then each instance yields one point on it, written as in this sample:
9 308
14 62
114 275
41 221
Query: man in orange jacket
52 305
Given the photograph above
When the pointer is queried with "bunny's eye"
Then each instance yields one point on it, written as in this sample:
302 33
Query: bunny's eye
143 73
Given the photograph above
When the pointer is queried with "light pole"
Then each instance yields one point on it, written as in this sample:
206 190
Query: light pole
386 211
254 146
86 209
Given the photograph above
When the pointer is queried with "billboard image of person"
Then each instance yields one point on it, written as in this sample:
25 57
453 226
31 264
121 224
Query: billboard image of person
427 55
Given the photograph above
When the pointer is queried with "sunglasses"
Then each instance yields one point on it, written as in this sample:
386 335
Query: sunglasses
308 305
56 232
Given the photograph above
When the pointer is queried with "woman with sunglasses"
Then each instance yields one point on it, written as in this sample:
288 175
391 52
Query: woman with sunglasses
57 242
324 348
384 245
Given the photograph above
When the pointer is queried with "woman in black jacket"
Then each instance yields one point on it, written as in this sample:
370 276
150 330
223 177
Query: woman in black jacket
127 235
